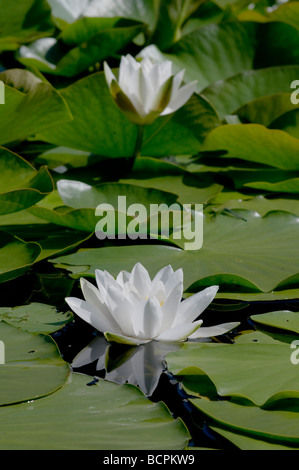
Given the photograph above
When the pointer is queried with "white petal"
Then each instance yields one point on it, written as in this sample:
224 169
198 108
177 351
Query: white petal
91 294
180 98
123 277
104 279
164 71
179 333
124 339
109 74
164 274
91 315
141 280
209 331
121 310
152 319
173 280
171 306
178 78
192 307
158 291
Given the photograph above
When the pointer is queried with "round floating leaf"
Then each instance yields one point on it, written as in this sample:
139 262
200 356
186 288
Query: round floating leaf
89 51
258 253
16 256
266 92
255 143
82 200
283 319
261 204
211 53
35 318
21 185
33 366
26 21
245 370
31 106
279 427
249 443
103 416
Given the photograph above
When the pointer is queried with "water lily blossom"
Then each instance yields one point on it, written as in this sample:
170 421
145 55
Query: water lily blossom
145 90
133 309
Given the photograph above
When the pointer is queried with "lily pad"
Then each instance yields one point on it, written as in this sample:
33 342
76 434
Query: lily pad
33 366
90 49
245 370
103 416
21 185
255 143
16 256
278 427
249 443
258 254
81 201
283 319
261 204
32 105
35 318
255 89
199 52
26 21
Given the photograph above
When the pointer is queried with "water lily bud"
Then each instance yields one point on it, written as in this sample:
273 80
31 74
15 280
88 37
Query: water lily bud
145 91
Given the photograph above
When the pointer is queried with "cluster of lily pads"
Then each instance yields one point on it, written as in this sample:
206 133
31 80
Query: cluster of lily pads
67 146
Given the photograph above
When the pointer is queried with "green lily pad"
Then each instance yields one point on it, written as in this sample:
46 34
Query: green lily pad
283 319
81 200
92 47
21 185
245 370
104 416
32 105
256 95
16 256
26 21
249 443
198 52
288 122
33 366
255 143
276 181
35 318
261 204
286 294
154 173
287 14
257 254
278 427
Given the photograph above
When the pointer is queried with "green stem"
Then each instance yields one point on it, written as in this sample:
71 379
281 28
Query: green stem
139 140
137 149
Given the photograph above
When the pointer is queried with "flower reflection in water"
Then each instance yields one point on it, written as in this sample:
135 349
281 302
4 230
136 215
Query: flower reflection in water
137 365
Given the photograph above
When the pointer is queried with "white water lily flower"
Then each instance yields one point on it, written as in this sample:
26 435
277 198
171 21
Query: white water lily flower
145 90
133 309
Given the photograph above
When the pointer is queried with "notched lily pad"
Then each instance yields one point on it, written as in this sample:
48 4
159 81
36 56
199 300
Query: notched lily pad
35 318
33 366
